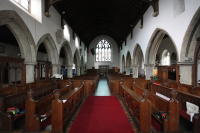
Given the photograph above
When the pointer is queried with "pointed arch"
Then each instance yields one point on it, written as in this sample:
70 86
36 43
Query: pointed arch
22 34
77 58
50 48
128 60
68 53
123 63
82 61
153 45
191 35
137 54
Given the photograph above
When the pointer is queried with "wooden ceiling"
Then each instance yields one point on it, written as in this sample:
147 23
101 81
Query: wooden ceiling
91 18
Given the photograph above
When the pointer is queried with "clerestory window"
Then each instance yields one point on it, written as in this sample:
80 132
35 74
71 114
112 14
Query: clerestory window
103 51
24 3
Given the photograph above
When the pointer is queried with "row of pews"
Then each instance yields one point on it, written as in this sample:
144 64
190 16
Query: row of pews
141 98
50 102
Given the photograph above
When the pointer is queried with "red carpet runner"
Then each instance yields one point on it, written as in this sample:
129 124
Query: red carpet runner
101 114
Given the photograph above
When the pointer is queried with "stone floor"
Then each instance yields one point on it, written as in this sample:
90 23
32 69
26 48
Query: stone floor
102 88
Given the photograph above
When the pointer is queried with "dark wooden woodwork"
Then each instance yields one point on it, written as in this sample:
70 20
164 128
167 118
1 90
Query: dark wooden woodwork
63 111
143 103
35 109
43 66
89 26
167 72
48 3
19 100
171 107
12 63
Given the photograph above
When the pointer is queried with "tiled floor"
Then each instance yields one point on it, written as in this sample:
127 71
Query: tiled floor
102 88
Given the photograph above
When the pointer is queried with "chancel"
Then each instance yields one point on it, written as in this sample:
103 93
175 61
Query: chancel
95 66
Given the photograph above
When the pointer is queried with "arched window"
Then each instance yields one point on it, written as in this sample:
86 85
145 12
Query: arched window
166 57
103 51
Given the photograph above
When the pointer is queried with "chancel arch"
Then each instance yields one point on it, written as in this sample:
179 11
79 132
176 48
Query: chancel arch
68 57
138 62
157 44
50 49
24 38
128 63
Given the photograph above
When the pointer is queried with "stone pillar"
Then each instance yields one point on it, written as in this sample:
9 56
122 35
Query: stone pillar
69 71
82 70
30 71
149 71
185 72
127 69
77 71
55 69
135 71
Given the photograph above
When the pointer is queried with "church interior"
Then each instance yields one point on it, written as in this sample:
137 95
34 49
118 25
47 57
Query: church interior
99 66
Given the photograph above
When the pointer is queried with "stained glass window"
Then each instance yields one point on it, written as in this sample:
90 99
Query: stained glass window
24 3
103 51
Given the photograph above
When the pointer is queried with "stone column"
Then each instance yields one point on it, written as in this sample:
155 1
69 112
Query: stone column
82 70
55 69
30 71
127 69
185 72
149 71
77 71
135 71
69 71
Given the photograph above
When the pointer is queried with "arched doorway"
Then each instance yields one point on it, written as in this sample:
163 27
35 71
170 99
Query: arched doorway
159 42
68 59
138 62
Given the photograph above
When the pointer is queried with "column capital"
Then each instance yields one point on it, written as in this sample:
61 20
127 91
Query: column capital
55 65
149 65
186 63
135 65
30 63
70 66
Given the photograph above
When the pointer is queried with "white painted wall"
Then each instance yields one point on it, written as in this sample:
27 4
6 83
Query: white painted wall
114 54
48 25
175 26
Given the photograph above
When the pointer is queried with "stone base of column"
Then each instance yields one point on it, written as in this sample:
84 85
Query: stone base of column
30 71
69 71
127 69
149 71
135 71
185 72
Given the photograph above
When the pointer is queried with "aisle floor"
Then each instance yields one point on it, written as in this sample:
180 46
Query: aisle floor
102 88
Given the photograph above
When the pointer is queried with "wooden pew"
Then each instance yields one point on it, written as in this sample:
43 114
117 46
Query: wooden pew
144 107
88 85
63 111
18 100
36 108
171 123
182 97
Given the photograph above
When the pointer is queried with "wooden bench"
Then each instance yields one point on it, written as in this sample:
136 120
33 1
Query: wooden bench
182 97
18 100
36 108
144 109
169 124
64 107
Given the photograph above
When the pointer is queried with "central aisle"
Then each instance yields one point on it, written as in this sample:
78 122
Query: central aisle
101 114
102 88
